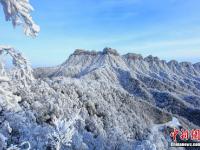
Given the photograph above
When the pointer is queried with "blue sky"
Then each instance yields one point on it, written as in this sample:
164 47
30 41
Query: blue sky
169 29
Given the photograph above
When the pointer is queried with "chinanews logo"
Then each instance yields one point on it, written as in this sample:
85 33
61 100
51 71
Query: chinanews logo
185 138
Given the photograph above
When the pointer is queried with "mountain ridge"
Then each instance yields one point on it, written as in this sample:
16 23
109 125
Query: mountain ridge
147 78
172 64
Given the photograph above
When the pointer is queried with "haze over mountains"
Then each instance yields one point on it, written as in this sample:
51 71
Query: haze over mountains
102 100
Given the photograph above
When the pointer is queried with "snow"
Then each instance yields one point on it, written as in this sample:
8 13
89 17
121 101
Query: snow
174 123
22 69
96 100
4 79
18 11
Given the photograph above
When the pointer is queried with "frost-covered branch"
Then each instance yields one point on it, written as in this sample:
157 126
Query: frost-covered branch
65 130
18 11
22 70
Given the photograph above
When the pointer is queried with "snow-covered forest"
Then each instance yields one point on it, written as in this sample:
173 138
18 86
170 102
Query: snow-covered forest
95 99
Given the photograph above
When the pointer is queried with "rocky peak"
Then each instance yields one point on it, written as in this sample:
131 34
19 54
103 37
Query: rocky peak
186 64
173 63
150 58
94 53
110 51
133 56
84 52
197 65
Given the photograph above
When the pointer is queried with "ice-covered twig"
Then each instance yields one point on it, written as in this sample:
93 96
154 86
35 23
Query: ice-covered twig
22 70
15 147
18 11
65 129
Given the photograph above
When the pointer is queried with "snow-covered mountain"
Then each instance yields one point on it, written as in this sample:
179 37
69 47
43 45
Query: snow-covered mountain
163 84
101 100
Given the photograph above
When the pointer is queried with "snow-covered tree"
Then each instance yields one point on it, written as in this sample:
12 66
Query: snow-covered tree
21 71
18 11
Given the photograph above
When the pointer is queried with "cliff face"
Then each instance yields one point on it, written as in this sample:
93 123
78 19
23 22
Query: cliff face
101 100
